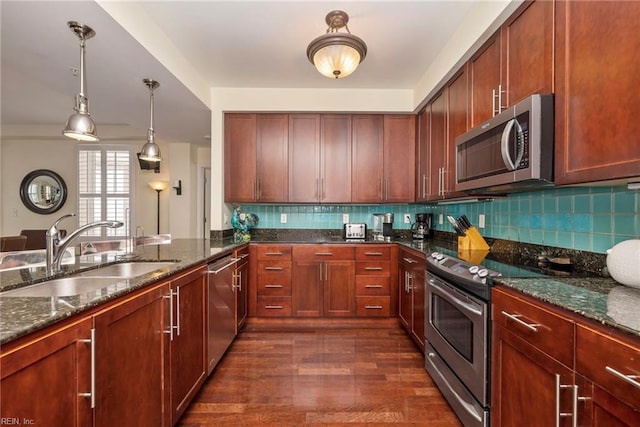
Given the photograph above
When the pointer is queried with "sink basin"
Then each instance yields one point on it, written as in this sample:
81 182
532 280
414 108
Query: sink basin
64 287
126 270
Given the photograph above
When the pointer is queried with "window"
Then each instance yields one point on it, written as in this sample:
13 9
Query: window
104 189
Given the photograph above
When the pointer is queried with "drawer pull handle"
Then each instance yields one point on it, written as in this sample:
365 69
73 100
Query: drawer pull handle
273 253
372 286
324 254
373 268
373 253
515 318
631 379
274 268
409 260
272 286
272 307
373 307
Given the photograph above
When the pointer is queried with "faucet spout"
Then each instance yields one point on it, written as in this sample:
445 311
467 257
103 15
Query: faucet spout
56 246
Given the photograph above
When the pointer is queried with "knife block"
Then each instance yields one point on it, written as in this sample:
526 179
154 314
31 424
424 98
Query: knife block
472 241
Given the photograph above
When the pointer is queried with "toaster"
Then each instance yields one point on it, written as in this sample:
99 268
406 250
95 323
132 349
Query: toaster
354 231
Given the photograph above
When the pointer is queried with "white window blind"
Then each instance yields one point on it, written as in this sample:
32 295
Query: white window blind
104 190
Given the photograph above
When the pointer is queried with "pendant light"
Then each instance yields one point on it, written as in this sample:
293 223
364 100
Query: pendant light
150 150
80 126
335 54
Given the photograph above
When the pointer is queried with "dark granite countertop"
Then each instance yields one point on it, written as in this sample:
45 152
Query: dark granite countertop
597 298
22 315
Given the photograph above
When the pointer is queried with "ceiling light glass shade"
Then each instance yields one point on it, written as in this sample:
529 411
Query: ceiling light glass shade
159 185
334 54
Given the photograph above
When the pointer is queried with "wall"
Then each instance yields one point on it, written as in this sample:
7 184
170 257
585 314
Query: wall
583 218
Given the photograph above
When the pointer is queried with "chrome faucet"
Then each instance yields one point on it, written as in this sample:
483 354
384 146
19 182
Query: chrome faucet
56 246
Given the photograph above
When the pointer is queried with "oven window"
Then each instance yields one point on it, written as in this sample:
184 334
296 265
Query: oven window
453 325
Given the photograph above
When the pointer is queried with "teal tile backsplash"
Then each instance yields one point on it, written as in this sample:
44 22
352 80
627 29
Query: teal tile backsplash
582 218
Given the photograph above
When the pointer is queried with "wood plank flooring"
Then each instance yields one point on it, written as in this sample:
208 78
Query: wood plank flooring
368 374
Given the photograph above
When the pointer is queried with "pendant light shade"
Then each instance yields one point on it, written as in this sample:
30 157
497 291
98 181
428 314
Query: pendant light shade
80 126
335 54
150 150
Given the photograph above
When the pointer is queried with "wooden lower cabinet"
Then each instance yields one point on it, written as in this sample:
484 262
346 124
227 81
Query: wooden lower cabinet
551 367
241 277
45 380
411 288
270 270
188 345
132 361
373 281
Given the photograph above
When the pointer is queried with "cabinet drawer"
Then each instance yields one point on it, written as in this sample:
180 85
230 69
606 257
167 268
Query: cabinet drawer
323 252
274 306
373 252
273 268
609 362
274 286
273 252
373 285
538 325
373 267
373 306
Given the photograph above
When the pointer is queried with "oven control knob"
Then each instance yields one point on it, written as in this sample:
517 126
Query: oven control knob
483 272
437 256
474 269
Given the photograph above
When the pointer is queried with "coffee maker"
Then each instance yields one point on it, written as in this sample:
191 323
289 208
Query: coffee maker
423 227
382 226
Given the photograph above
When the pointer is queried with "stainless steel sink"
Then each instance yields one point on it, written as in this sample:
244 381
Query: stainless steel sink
64 287
126 270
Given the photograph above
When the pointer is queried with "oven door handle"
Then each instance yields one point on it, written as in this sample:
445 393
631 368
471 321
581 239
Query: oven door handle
457 301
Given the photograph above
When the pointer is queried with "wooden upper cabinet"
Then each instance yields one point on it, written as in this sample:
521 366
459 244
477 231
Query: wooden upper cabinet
335 158
515 63
256 157
240 157
527 52
367 158
423 155
597 97
273 160
484 72
457 94
437 147
399 158
304 158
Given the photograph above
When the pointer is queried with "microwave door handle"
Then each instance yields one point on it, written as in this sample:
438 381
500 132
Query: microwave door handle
504 145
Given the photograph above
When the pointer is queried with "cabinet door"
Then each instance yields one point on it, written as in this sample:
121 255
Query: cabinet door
527 52
242 289
272 158
368 159
417 303
132 361
304 158
598 408
307 289
457 107
43 380
335 155
339 288
240 157
437 147
523 387
404 310
484 74
399 158
188 348
423 156
597 96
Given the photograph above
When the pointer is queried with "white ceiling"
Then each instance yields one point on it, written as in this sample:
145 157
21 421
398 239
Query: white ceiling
227 43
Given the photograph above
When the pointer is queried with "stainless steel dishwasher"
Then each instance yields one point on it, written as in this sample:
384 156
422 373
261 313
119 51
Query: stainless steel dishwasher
220 309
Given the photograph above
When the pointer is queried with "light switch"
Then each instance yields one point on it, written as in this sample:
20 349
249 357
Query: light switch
345 218
283 218
481 221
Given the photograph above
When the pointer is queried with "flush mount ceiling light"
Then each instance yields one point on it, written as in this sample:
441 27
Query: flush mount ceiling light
150 150
80 126
335 54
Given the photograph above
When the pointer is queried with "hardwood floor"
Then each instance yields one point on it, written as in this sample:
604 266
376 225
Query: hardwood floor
366 374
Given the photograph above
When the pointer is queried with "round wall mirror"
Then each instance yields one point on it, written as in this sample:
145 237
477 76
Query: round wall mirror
43 191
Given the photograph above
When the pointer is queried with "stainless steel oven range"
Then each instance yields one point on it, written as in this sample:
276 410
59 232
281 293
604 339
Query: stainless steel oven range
458 334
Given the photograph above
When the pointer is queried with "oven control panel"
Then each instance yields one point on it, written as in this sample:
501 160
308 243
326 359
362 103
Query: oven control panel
474 278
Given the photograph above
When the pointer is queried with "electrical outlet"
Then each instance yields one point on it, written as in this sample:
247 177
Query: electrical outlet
440 219
226 218
407 218
283 218
345 218
481 221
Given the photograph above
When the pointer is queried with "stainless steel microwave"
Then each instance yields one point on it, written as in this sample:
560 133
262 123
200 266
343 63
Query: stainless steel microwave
513 151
